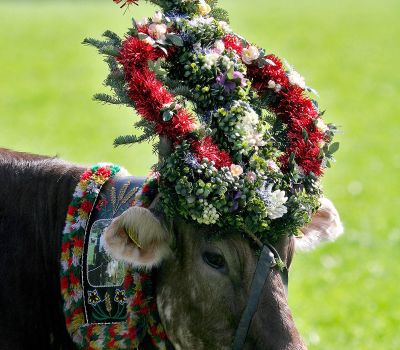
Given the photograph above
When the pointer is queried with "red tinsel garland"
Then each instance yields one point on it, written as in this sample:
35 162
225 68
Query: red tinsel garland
150 97
291 105
296 110
207 149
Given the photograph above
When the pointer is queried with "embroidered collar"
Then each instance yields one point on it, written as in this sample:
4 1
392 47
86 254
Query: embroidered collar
106 304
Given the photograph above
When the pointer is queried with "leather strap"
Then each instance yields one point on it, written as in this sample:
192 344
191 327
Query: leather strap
266 262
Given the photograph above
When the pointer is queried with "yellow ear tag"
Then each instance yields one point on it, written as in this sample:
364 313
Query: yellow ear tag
133 236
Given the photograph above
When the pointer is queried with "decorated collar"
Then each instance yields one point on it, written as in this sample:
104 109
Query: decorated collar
106 304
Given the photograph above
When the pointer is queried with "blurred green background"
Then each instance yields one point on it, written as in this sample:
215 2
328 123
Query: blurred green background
343 295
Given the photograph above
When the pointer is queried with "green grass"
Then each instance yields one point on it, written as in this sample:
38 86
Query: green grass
344 295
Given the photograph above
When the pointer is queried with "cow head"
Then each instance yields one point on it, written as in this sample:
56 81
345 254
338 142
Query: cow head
203 282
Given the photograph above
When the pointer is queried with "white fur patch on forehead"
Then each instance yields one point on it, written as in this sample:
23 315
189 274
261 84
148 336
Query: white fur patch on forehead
325 226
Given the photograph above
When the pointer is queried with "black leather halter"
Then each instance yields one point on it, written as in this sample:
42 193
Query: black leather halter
268 259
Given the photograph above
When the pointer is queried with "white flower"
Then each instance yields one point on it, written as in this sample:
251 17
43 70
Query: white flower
225 27
272 165
254 138
298 169
144 21
219 47
204 8
296 79
227 63
210 60
157 17
158 31
322 126
251 176
149 40
274 86
274 201
199 21
250 54
236 170
250 118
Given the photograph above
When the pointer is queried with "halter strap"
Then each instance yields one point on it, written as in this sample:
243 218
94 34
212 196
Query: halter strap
266 262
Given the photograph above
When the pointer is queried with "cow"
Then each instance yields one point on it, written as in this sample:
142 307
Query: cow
202 284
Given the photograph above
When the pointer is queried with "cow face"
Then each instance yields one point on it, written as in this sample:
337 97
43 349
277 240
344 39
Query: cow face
204 282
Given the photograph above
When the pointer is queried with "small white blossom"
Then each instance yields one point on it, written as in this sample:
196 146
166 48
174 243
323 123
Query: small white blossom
199 21
219 47
250 54
225 27
254 138
149 41
210 60
296 79
227 63
158 31
250 118
274 86
298 169
275 204
322 126
251 176
274 201
236 170
144 21
157 17
272 165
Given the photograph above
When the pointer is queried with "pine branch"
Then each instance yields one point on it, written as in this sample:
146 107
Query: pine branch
220 14
182 90
105 98
94 42
128 140
113 37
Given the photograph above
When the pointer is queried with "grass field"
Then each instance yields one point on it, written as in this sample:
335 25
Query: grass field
344 295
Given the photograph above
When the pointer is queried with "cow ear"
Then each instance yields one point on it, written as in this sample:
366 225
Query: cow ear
325 226
137 237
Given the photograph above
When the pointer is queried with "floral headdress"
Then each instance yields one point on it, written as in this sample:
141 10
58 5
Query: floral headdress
247 145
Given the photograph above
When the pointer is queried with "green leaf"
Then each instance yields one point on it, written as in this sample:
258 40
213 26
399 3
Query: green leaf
305 134
142 36
230 72
334 147
175 39
167 115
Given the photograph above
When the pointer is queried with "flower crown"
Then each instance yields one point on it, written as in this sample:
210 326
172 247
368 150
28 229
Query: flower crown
247 145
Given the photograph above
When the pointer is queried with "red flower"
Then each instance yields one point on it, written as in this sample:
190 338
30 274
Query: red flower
206 148
232 42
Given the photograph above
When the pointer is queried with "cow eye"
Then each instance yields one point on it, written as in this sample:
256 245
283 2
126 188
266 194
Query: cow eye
215 260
